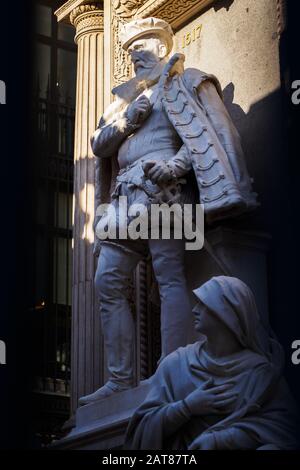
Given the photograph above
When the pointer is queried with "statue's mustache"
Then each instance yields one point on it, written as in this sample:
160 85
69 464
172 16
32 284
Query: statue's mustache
143 59
143 63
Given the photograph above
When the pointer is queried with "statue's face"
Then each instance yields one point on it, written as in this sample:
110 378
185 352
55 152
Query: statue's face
145 53
218 335
205 321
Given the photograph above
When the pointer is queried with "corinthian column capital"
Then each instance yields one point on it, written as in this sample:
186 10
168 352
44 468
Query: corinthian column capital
87 19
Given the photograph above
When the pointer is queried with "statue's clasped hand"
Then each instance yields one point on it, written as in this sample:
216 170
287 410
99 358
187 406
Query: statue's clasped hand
138 111
159 172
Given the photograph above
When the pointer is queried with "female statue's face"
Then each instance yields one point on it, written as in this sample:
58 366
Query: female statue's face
220 339
205 321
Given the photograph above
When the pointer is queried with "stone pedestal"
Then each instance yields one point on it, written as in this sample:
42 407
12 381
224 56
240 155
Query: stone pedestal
102 425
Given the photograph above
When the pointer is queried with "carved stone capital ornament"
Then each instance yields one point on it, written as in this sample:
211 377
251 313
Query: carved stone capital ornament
87 19
126 8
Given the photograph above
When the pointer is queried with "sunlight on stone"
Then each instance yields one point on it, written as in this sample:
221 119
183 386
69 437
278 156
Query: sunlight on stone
88 194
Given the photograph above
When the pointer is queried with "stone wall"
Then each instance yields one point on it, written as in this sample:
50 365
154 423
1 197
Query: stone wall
238 41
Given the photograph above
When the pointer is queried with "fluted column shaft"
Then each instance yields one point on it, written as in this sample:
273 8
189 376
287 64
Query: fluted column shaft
86 335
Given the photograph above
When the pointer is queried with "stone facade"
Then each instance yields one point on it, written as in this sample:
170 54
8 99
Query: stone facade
238 41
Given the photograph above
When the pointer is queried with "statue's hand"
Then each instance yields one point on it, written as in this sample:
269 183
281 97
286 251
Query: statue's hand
211 399
159 172
203 442
138 111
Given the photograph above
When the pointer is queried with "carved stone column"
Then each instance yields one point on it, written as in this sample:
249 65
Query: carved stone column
86 373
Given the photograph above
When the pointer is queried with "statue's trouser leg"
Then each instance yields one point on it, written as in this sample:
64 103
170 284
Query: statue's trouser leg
111 282
168 265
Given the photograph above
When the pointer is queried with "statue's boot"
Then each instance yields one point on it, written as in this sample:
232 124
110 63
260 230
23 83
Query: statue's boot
102 392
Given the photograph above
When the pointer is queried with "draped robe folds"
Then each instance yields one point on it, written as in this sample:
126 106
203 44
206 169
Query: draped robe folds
264 413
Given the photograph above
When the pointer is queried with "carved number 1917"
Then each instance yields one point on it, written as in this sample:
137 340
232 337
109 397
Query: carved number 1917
191 36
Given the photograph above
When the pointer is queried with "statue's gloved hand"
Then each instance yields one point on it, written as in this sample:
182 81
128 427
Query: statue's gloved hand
211 399
159 172
138 111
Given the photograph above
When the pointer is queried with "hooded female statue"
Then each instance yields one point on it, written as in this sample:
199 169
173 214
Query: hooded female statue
225 391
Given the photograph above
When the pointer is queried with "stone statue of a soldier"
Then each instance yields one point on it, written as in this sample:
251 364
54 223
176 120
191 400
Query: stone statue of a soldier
165 124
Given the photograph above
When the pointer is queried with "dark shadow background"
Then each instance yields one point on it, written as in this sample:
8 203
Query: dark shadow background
17 203
16 236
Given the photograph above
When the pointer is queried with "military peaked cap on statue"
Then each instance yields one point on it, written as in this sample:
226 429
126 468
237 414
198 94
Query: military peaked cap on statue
140 28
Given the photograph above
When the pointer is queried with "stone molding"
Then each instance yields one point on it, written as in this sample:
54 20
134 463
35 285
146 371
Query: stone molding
63 12
175 12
